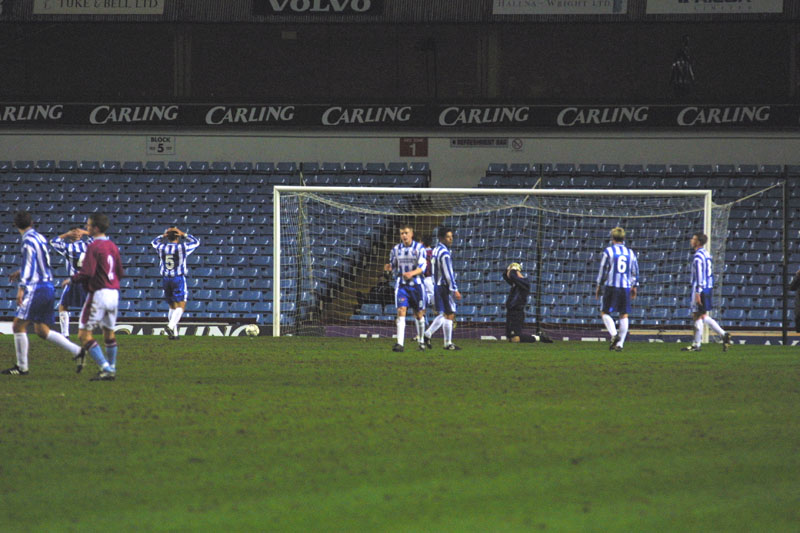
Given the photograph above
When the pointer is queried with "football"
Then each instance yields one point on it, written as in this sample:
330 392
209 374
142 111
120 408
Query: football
252 330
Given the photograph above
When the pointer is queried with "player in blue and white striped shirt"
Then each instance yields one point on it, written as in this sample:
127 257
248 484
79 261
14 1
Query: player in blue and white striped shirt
702 288
71 246
445 290
619 279
173 248
35 296
407 261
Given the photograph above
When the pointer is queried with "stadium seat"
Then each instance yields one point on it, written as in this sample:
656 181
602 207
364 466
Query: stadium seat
240 307
250 296
372 310
217 307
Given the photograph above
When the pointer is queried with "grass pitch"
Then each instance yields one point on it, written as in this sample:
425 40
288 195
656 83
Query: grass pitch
233 434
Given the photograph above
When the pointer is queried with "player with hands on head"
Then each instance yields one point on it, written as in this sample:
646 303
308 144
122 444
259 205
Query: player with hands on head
407 261
445 290
516 301
173 248
73 248
100 272
702 288
35 296
618 279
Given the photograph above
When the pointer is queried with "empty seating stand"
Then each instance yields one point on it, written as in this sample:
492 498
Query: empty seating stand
227 205
755 230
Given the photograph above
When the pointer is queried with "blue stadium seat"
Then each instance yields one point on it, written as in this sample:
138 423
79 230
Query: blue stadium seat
609 170
397 168
496 169
375 168
759 315
214 284
262 307
242 167
490 311
204 294
677 170
240 307
150 306
221 167
217 307
372 309
24 166
632 170
250 296
288 168
264 168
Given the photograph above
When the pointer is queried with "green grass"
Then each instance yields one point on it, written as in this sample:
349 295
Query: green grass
233 434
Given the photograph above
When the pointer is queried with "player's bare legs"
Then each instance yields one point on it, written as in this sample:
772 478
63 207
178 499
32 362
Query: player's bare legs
420 322
19 327
447 328
623 330
176 310
63 319
111 347
433 328
608 321
20 346
401 329
92 347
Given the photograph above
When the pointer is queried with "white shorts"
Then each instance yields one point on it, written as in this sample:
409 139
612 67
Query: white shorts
429 290
100 309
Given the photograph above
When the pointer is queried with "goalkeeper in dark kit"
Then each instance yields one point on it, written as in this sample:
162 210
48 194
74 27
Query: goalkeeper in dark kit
515 305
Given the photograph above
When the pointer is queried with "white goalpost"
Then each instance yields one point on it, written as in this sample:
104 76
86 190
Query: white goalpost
330 245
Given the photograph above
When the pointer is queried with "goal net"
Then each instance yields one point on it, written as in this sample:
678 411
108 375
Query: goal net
331 245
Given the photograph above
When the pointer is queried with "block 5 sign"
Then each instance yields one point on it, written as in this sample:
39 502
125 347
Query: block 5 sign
160 145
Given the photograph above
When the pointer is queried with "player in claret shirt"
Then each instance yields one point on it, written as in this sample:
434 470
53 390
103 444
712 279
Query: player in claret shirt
100 273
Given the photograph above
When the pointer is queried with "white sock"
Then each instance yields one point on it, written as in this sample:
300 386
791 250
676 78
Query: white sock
698 332
421 330
401 330
175 318
60 340
714 325
448 331
169 316
21 346
63 319
623 331
435 325
609 322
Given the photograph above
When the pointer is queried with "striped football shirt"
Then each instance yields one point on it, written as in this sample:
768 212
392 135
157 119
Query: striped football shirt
618 267
35 260
443 268
407 258
172 255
